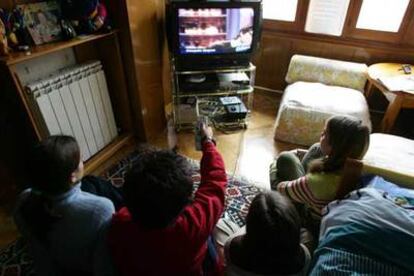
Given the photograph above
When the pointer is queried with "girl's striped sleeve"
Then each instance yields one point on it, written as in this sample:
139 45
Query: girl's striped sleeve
297 190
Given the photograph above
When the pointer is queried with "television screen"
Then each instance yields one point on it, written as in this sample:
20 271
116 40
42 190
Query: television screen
215 30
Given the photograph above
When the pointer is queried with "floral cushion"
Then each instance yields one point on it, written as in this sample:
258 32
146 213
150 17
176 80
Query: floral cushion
327 71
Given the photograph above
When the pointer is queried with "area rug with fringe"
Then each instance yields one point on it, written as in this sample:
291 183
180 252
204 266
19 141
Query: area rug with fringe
15 260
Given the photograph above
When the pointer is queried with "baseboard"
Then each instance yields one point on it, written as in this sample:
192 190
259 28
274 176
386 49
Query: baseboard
376 111
268 89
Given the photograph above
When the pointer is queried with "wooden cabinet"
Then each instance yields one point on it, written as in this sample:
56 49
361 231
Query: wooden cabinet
142 40
18 69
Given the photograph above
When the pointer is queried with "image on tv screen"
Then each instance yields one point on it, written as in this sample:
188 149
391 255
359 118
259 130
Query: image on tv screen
215 31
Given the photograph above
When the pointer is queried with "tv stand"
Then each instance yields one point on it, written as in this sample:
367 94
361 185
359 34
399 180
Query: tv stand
224 94
211 64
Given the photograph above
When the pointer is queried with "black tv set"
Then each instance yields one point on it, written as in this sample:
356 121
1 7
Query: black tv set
213 33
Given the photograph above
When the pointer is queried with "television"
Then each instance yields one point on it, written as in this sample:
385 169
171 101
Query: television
213 33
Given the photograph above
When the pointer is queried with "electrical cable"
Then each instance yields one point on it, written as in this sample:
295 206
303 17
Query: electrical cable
241 147
215 111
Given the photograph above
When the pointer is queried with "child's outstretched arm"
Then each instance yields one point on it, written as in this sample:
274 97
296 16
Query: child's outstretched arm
207 207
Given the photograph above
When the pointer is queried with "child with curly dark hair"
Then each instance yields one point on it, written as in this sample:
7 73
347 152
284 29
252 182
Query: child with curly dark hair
163 230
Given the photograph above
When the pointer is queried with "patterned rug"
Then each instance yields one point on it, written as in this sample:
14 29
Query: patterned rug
15 260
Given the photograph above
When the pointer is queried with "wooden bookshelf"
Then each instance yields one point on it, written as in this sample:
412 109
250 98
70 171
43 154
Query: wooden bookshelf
37 51
104 47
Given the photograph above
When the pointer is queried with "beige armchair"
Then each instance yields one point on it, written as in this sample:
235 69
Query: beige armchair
318 89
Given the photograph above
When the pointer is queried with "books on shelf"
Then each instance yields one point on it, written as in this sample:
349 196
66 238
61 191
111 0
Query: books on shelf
399 83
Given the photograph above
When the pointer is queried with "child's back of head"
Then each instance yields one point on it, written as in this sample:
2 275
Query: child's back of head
157 188
272 240
345 137
52 163
63 225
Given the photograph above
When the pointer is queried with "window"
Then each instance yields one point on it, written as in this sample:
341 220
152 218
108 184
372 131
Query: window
326 16
382 15
384 21
283 10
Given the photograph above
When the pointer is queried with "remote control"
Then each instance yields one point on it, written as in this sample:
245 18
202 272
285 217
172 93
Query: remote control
230 100
198 136
406 68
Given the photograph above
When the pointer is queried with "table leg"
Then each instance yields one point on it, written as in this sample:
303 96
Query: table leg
391 114
368 90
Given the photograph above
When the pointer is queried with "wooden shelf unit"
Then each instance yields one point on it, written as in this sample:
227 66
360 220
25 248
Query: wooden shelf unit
38 51
103 47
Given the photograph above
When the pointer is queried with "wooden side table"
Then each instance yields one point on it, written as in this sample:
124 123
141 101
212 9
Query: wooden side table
397 100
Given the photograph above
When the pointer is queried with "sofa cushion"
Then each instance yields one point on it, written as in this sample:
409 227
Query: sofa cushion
327 71
392 157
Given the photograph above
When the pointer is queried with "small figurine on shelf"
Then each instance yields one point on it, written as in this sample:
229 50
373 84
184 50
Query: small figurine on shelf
18 27
16 34
87 16
68 31
4 48
7 18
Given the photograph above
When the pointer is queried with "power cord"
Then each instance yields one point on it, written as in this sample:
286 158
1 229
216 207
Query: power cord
216 111
241 147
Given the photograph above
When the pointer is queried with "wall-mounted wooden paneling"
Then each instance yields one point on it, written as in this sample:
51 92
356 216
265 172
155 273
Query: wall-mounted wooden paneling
166 67
269 61
276 49
141 46
145 33
409 36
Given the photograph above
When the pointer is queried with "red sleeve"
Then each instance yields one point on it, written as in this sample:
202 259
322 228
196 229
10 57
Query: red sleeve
202 215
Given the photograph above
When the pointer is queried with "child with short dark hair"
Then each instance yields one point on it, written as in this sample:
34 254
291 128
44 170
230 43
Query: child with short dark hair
65 227
163 230
270 243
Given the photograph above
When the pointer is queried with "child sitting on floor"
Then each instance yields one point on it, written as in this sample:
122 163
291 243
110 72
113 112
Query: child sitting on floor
270 243
163 230
64 226
315 181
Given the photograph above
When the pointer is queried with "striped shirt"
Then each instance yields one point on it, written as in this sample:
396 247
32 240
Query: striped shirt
338 262
366 233
315 190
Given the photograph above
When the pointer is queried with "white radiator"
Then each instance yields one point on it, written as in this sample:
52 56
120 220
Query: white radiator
76 102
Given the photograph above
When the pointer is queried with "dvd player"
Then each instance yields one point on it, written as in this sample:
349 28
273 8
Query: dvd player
214 82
